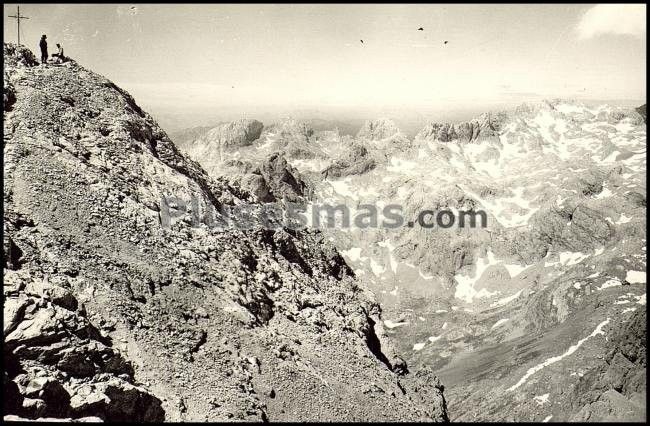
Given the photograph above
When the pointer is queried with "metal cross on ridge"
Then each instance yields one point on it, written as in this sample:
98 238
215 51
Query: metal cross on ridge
18 17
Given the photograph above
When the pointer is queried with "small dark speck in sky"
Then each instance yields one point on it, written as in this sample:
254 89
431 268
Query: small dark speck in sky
446 41
361 41
420 29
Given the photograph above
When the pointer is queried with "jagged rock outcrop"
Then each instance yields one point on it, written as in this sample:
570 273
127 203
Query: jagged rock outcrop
263 168
485 127
384 137
292 138
616 116
238 133
272 179
378 129
355 160
616 389
292 128
60 365
642 112
15 55
213 145
123 296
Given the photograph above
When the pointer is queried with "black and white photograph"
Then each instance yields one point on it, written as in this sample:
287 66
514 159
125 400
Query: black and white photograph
319 212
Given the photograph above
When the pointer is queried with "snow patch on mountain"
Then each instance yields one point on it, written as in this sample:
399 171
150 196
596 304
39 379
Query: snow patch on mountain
553 360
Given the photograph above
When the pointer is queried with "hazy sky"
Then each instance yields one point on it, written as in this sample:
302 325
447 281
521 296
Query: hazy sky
197 56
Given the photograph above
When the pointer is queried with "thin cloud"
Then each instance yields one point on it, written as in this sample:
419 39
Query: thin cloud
619 19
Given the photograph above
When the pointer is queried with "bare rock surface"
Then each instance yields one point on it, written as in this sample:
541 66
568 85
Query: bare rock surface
378 129
211 145
109 315
485 127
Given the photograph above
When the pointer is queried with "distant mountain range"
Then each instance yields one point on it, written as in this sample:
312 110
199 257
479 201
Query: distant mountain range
521 319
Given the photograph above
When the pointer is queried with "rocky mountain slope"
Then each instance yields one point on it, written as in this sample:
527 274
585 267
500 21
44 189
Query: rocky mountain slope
110 315
642 111
518 317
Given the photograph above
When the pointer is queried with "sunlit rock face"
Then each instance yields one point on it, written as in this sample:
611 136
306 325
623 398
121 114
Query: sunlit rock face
216 142
485 127
114 312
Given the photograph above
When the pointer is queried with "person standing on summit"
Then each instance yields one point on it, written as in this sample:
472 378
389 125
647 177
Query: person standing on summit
43 45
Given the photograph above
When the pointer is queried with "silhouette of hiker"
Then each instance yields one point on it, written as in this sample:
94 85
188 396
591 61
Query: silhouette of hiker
59 53
43 45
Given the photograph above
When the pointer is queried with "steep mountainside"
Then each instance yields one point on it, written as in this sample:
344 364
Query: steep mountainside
642 111
515 316
110 314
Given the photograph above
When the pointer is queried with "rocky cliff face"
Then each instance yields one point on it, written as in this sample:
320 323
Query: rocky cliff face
214 143
384 137
354 159
110 315
272 179
615 389
642 111
485 127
